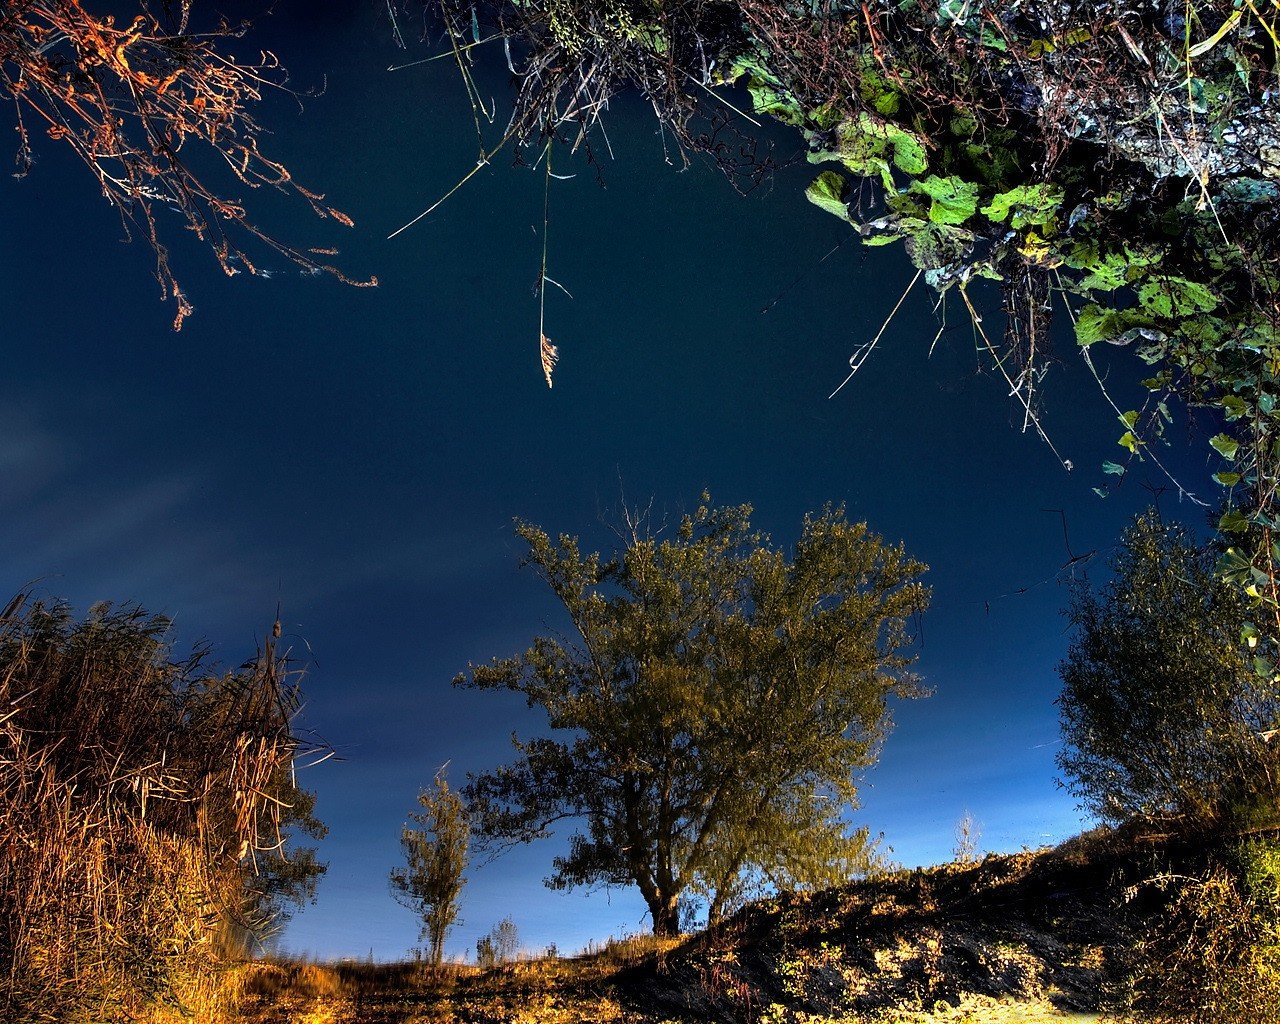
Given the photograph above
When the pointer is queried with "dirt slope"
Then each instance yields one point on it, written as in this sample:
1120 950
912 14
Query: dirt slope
1024 937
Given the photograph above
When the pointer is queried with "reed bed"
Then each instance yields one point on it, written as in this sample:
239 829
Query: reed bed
136 791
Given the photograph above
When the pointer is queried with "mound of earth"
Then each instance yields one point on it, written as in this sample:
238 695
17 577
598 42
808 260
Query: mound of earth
1034 936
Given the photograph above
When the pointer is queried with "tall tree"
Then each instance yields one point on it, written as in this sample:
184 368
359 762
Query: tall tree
1164 715
435 857
715 708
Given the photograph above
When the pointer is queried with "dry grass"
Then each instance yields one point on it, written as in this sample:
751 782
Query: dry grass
135 791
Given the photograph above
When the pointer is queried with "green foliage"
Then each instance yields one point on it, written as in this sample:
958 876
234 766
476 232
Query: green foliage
714 709
871 146
1163 716
828 191
435 852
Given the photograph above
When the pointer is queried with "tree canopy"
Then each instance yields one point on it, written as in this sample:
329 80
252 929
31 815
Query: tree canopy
1164 715
713 710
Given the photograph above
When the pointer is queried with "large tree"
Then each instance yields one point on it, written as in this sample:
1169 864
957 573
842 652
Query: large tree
713 711
1164 715
435 849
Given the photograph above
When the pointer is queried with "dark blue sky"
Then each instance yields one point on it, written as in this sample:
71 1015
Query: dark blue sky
358 455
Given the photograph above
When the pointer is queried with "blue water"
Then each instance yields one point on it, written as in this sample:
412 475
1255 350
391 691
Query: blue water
359 455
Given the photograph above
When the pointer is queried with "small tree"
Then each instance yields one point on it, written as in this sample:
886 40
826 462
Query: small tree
719 702
435 853
1163 714
968 835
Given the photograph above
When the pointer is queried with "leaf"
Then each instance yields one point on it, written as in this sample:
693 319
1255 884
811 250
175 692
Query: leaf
1233 522
1025 205
1098 323
1113 468
1225 445
1107 274
1130 418
1130 441
954 200
827 191
1227 479
1175 297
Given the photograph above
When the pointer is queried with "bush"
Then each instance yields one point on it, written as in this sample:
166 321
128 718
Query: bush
134 790
1211 954
1163 714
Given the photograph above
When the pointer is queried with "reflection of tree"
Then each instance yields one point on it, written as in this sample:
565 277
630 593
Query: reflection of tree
143 105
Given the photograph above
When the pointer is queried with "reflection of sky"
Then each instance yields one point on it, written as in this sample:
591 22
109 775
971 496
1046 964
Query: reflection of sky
359 456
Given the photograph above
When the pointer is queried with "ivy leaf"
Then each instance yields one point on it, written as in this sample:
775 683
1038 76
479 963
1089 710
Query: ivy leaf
1225 445
827 191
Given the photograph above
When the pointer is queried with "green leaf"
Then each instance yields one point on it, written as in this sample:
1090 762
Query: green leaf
1106 274
1025 205
1098 323
954 199
1233 522
1227 479
1225 445
1130 418
1129 440
1234 406
1114 468
1175 297
827 191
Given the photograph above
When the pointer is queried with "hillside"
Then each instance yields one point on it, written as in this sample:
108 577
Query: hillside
1026 937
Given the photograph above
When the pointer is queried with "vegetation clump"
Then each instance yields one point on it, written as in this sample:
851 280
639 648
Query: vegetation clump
1169 732
145 813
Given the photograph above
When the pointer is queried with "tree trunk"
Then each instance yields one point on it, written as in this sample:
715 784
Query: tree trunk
665 912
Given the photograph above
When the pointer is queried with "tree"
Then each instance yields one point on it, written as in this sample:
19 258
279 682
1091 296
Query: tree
715 707
436 855
1164 717
133 101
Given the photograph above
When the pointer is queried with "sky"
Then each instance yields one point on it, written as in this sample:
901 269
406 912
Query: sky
357 456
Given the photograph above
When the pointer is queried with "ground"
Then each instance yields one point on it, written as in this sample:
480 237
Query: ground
1026 938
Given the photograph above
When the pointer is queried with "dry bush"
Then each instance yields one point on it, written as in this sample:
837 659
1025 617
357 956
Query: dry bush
1210 954
135 792
144 105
